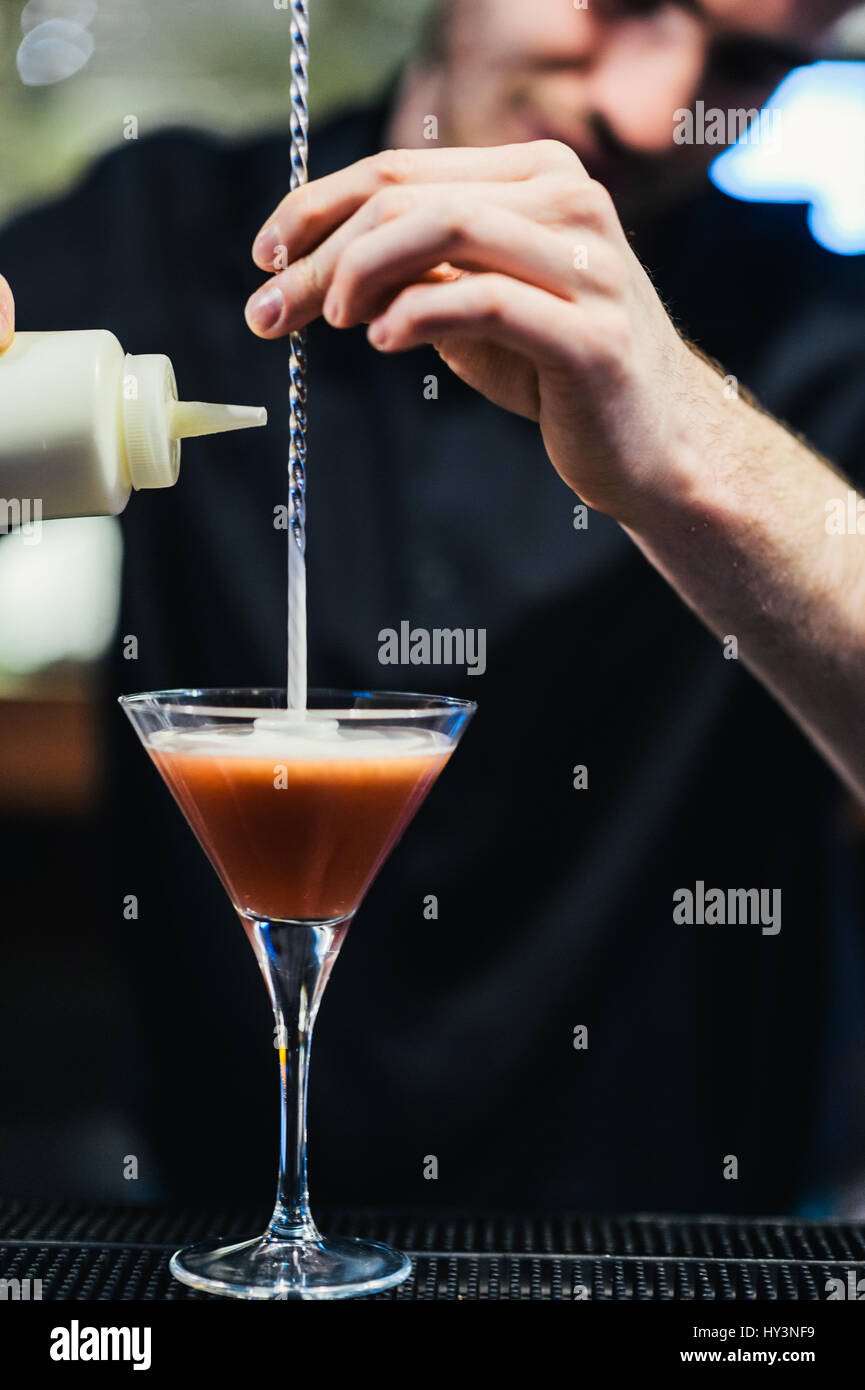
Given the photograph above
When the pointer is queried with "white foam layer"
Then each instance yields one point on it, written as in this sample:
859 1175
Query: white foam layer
293 735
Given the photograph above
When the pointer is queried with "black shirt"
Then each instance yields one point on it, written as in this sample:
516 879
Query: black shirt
455 1037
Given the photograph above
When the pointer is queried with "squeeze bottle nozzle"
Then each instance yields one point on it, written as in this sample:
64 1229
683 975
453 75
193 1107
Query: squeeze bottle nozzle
155 421
189 419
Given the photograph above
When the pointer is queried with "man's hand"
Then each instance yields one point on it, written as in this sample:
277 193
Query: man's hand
512 262
7 315
514 265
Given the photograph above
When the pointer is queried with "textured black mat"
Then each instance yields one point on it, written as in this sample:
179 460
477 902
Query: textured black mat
108 1253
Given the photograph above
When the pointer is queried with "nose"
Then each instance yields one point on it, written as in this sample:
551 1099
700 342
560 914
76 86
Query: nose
642 78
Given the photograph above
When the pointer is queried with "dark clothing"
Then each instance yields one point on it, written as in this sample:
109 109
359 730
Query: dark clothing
456 1037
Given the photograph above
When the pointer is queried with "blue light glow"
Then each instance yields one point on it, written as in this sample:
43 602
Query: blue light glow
817 155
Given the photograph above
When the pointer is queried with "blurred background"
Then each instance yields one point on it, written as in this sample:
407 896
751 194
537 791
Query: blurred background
220 64
72 72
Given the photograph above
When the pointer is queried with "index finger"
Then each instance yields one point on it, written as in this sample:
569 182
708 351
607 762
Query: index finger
309 214
7 315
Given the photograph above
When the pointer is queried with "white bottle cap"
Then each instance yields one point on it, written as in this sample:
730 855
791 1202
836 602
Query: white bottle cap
154 421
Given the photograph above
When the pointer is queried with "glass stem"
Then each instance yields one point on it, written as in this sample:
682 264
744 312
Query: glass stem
296 959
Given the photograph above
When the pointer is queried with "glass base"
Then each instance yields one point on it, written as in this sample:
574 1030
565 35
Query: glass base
268 1268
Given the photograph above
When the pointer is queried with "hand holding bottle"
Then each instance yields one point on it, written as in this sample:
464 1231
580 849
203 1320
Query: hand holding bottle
7 315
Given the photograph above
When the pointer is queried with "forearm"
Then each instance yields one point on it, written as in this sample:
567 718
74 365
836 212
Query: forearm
745 543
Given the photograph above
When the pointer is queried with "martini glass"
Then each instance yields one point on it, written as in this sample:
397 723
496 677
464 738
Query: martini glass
297 811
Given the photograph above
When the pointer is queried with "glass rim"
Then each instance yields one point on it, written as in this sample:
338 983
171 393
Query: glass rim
186 701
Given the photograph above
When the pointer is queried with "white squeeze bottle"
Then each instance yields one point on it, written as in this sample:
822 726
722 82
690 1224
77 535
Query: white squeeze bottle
82 423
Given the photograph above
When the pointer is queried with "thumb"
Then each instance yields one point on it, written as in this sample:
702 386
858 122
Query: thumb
7 315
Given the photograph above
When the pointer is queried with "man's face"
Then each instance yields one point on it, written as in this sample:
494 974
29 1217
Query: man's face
607 79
